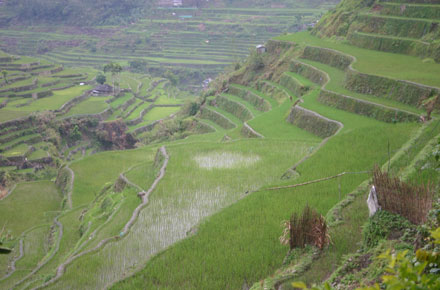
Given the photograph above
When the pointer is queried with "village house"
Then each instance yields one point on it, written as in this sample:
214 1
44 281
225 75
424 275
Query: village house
261 48
102 90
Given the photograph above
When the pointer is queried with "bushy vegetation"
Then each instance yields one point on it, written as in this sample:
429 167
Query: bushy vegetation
307 228
396 196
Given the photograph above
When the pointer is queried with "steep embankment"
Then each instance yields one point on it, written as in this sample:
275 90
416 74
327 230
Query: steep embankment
408 27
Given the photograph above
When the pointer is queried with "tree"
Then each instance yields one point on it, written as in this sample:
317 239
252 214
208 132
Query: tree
101 79
5 74
115 69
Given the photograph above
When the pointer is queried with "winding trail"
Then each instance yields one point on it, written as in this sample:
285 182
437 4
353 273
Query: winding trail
341 126
252 130
13 267
61 269
60 236
69 193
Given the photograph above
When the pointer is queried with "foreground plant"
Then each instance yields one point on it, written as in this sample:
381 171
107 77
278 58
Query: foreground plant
307 228
404 271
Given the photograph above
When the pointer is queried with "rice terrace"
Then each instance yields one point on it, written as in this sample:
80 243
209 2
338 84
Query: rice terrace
223 144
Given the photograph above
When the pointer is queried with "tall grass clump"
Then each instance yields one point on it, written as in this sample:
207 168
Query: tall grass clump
307 228
410 201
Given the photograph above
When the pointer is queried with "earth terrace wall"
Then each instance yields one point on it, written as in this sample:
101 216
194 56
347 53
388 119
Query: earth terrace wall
236 109
412 11
12 80
364 108
146 128
395 45
32 86
401 91
248 132
398 90
145 111
48 72
258 102
100 116
133 109
217 118
14 125
67 106
6 59
16 135
309 72
293 85
38 95
313 122
273 91
413 1
328 56
400 27
30 141
141 116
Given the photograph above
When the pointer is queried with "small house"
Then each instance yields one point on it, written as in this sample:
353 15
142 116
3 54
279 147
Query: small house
261 48
206 83
102 90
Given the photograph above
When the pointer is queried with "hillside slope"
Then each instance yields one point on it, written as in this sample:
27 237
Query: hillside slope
408 27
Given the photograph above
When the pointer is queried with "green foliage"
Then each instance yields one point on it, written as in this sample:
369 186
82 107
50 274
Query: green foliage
75 134
173 78
404 271
255 61
190 108
381 225
101 79
138 65
5 74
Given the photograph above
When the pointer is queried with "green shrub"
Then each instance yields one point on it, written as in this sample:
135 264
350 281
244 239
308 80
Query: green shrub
381 225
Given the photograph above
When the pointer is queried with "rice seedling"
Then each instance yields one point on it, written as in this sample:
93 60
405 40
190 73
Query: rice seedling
225 160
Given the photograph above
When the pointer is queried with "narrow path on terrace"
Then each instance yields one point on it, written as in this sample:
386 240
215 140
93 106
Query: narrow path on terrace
252 130
60 236
341 126
12 267
360 100
69 193
61 269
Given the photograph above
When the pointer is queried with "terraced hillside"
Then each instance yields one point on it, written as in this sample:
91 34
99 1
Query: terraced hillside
408 27
201 40
296 120
41 103
302 124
